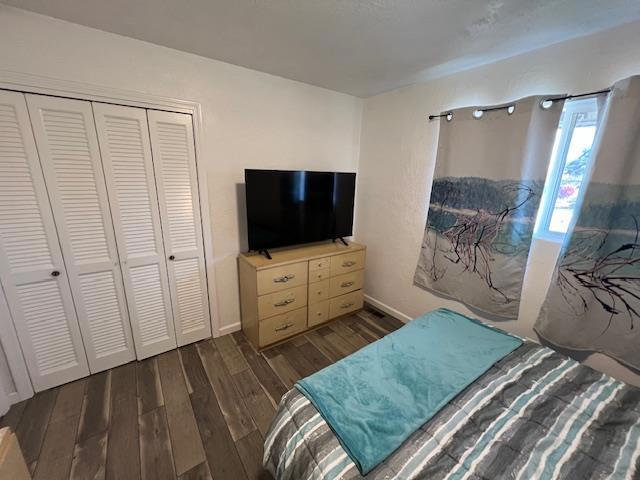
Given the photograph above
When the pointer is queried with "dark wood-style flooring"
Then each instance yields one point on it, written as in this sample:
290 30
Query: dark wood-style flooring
198 412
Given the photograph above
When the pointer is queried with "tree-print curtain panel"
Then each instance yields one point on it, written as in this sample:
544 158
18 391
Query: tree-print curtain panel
486 190
593 302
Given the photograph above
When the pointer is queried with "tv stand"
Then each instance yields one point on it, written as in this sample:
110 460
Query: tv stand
266 253
342 240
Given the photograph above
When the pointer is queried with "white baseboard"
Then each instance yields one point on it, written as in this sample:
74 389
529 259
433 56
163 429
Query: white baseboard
227 329
14 397
387 309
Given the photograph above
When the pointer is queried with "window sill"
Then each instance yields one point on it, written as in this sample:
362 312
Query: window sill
549 237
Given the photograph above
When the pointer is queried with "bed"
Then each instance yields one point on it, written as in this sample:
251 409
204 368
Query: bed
533 414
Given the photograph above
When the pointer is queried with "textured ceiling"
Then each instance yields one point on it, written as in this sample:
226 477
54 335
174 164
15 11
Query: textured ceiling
361 47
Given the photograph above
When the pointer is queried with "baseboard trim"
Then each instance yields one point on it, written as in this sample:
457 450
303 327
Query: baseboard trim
227 329
14 397
387 309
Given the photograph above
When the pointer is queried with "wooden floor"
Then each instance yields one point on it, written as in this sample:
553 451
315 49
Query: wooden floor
198 412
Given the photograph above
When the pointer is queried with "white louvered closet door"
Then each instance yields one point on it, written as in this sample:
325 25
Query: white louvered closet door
32 271
126 157
65 134
175 168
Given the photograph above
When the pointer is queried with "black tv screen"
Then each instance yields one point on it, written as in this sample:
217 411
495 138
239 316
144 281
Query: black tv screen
286 207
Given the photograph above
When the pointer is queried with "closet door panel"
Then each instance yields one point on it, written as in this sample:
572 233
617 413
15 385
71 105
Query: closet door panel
123 135
32 271
65 135
176 178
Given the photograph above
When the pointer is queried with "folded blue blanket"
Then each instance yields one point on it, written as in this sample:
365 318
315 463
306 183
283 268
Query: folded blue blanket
374 399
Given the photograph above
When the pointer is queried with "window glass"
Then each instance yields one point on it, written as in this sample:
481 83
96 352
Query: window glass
568 168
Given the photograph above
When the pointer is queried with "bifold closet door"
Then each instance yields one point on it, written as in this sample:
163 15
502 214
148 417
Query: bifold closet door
176 178
32 270
123 135
65 135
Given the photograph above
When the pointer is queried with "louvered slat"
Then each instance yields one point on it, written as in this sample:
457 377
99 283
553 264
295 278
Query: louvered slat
65 134
191 306
175 166
40 304
25 249
103 313
150 304
45 319
124 142
76 185
131 184
173 150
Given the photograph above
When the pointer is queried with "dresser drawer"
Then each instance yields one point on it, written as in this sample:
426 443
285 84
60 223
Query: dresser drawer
347 262
318 275
318 291
346 283
281 278
318 313
282 326
319 263
345 304
281 302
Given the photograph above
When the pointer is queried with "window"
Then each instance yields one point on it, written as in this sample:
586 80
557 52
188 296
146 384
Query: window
568 168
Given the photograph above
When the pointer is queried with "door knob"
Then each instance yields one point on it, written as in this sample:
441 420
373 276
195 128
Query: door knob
55 273
172 257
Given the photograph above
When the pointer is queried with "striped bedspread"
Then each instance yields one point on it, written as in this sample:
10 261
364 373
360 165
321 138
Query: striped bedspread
535 414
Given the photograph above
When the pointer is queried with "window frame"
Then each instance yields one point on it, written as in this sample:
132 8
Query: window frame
571 110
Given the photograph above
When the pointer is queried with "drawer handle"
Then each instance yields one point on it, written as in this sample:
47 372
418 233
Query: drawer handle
350 263
284 303
284 278
346 284
347 305
284 327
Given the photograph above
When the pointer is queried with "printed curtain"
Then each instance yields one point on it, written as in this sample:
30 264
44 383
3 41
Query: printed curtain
488 180
593 302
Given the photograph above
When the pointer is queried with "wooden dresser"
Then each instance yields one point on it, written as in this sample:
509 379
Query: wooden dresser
298 289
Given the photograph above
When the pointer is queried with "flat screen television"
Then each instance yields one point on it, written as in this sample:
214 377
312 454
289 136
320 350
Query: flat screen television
286 207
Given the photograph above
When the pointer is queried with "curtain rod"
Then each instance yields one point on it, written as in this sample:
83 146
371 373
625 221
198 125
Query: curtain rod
550 99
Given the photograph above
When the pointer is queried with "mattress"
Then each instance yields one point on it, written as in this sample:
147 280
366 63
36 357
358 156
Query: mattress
534 414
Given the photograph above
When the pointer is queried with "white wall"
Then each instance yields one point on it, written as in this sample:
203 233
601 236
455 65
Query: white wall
250 119
398 152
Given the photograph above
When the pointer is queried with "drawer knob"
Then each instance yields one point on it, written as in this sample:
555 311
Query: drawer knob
284 278
346 305
283 327
284 303
350 263
346 284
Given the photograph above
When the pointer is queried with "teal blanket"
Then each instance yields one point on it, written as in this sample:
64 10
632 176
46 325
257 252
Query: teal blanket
375 398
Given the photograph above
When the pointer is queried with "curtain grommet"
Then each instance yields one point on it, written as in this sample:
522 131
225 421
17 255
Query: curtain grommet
477 114
546 104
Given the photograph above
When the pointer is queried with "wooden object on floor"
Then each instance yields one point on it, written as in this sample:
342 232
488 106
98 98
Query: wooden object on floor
12 464
298 289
